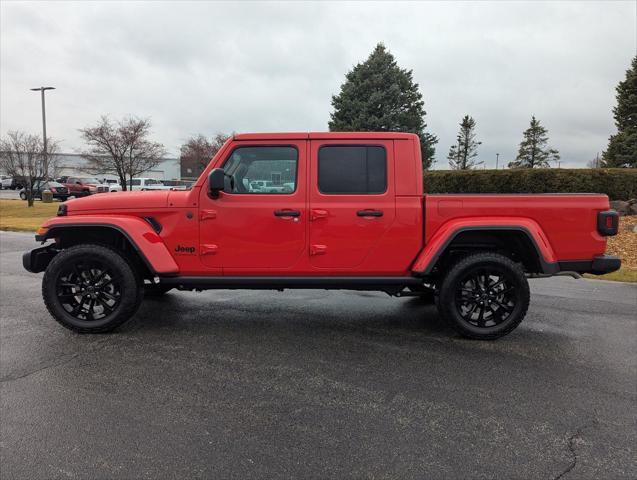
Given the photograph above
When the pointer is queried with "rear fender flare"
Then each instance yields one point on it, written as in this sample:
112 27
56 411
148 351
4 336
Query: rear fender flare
428 257
147 243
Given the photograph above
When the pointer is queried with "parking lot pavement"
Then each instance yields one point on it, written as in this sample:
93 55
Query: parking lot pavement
9 194
237 384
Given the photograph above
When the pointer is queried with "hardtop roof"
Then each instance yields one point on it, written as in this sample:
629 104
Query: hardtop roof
325 136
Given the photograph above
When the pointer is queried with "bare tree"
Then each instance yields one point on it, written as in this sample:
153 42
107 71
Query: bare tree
595 162
23 157
121 148
198 150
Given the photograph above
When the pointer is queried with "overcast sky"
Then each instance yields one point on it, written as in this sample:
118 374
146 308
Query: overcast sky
220 67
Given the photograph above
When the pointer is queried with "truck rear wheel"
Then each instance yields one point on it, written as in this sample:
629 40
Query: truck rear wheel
91 289
484 296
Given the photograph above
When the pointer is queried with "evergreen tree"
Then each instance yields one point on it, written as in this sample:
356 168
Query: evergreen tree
378 95
622 147
534 151
461 156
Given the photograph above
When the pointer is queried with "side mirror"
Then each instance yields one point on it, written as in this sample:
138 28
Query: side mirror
216 182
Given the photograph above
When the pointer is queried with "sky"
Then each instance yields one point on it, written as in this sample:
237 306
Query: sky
208 67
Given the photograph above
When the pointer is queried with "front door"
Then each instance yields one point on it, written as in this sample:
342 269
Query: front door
258 223
352 203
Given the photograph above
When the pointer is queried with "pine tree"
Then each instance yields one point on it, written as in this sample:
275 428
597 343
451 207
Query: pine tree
378 95
461 156
622 147
534 151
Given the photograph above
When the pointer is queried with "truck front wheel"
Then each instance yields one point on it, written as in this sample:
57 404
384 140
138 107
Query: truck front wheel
484 296
91 289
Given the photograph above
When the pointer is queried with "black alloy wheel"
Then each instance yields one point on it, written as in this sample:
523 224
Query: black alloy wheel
91 288
484 296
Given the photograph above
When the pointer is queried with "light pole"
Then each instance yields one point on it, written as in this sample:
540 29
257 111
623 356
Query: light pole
42 89
497 158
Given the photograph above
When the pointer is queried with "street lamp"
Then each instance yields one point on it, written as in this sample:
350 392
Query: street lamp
497 157
42 89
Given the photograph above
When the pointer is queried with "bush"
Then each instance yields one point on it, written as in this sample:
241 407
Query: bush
617 183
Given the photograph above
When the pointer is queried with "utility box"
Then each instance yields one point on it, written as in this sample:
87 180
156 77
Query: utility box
47 196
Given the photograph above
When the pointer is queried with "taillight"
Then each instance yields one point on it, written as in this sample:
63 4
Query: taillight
608 223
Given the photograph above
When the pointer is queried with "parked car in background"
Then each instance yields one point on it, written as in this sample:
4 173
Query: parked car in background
83 186
59 191
178 184
144 183
5 182
113 185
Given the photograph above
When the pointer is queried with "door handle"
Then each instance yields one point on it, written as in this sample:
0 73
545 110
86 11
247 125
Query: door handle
287 213
369 213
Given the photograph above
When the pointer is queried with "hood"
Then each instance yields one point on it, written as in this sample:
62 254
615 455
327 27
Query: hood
118 201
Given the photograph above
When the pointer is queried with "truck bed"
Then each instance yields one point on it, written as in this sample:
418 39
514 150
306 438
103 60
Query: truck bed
569 221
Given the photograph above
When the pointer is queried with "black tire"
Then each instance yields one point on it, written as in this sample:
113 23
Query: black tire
91 289
484 296
23 196
154 290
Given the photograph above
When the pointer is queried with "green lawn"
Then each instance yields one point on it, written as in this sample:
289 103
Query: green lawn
16 216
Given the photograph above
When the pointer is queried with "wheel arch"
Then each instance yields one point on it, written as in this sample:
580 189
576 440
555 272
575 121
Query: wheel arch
524 242
133 236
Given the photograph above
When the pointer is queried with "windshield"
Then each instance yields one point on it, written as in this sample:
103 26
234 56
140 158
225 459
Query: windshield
89 180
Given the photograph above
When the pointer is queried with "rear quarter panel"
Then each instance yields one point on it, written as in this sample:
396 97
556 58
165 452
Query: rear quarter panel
569 221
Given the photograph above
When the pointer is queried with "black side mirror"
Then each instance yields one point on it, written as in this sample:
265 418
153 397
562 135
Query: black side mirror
216 181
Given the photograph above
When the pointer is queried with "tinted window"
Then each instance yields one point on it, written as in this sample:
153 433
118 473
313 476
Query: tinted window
352 169
261 170
135 182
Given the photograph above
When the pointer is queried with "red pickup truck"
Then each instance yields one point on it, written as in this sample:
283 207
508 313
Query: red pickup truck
340 211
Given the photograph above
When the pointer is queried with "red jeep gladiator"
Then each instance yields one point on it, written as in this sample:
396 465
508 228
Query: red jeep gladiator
317 210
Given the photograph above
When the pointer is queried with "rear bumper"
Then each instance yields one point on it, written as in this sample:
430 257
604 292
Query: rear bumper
598 265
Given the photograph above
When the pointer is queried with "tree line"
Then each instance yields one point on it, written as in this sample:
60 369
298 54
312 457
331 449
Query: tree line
377 95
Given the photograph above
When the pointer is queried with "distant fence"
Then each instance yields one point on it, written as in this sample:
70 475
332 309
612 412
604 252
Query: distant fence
617 183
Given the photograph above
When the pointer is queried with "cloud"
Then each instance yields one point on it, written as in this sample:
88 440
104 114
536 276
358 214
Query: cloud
243 66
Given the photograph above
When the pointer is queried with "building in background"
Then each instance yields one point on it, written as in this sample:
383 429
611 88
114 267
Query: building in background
73 164
190 168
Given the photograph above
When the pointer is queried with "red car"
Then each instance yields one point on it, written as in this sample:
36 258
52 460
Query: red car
340 211
83 186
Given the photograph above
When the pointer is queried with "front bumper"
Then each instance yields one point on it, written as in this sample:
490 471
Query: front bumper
597 266
36 260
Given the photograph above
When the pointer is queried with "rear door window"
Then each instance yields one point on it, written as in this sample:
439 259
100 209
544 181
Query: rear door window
352 169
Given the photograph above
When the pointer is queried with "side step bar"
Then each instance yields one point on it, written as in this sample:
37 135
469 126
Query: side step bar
385 284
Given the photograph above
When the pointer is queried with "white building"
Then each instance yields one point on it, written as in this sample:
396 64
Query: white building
73 164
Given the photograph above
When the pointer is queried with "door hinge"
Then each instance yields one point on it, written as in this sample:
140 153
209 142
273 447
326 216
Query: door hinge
209 249
315 214
318 249
208 215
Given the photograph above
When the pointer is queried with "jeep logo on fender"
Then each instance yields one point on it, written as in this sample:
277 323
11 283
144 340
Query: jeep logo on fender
185 250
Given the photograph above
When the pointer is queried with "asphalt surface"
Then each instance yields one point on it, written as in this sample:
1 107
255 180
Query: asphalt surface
315 384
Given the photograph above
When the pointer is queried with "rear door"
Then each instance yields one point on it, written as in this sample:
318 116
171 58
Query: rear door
352 201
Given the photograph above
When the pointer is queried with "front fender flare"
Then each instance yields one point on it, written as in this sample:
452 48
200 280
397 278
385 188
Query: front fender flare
148 244
426 260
